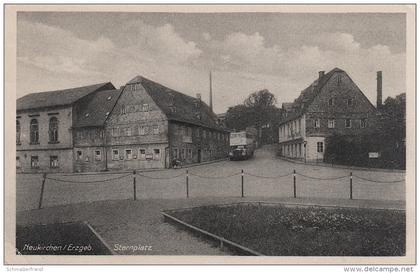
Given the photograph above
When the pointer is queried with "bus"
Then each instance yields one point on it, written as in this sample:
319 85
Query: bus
242 144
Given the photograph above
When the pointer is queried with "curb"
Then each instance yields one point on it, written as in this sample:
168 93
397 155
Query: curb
343 167
221 240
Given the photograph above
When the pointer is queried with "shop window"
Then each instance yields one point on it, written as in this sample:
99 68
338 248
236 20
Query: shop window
98 155
156 154
128 154
54 161
34 162
142 154
115 155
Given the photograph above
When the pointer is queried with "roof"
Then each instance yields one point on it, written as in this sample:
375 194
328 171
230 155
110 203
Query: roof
307 96
178 106
59 97
97 109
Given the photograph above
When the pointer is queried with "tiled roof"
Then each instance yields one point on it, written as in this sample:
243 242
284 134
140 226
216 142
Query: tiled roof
308 95
59 97
96 110
178 106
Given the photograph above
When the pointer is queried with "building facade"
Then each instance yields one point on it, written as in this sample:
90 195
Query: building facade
143 125
44 124
332 104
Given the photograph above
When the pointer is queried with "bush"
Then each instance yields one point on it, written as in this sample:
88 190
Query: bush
354 151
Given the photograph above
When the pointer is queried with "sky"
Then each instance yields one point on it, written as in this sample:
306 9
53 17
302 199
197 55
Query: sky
246 52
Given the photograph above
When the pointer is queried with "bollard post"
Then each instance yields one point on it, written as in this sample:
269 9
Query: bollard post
134 185
242 183
186 182
294 183
351 185
44 177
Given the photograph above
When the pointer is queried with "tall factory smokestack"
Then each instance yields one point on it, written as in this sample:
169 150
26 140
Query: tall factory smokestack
379 89
211 94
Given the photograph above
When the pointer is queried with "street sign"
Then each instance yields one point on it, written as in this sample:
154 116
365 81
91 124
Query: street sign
374 155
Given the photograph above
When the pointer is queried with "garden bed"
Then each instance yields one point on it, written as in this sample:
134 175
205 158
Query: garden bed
302 231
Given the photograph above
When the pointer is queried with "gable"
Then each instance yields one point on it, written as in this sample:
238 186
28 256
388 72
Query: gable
129 107
340 87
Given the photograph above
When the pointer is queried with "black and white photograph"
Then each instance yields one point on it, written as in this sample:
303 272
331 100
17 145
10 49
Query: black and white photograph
172 134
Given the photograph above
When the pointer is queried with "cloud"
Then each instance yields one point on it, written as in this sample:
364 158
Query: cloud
206 36
337 41
162 43
59 51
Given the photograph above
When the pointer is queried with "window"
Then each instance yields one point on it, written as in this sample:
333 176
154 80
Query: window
320 147
156 154
54 161
317 123
339 80
34 131
53 130
331 102
145 107
115 132
18 166
189 153
142 154
363 123
155 129
128 131
123 111
142 130
197 132
331 123
175 153
128 154
34 162
348 123
79 155
182 156
349 102
17 132
115 155
98 155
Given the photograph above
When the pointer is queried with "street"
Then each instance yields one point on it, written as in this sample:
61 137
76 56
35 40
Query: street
265 176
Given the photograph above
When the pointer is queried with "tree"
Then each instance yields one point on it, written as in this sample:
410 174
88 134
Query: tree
257 110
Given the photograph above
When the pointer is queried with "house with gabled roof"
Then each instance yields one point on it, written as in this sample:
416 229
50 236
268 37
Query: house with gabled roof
44 127
332 104
152 126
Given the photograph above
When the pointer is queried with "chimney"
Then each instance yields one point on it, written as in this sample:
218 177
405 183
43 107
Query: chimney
379 89
321 74
211 95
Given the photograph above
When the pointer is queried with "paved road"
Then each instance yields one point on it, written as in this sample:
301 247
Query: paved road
263 165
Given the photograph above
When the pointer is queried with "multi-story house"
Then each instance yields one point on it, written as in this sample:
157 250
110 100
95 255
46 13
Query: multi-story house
44 125
332 104
152 125
94 128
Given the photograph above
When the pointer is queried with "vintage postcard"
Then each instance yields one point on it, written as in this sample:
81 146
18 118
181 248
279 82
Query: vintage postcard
210 134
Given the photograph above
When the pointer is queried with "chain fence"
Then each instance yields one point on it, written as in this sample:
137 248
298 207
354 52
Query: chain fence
249 177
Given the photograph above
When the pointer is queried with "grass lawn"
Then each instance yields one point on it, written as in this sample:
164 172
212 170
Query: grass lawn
290 231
